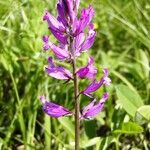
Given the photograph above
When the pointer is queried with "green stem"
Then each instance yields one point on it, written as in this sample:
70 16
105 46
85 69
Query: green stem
117 143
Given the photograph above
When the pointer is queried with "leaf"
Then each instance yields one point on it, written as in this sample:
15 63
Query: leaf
90 128
90 142
129 128
143 114
67 124
135 148
129 99
105 142
144 62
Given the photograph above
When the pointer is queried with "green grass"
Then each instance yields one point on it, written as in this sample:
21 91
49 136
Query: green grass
122 45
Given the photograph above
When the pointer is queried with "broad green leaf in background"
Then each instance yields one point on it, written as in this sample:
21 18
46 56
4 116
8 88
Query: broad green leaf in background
90 128
90 142
129 99
129 128
143 114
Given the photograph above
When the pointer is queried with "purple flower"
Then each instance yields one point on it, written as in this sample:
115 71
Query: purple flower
77 43
95 85
57 72
53 23
46 45
85 19
62 14
88 41
54 110
88 71
68 29
60 52
94 108
106 79
67 11
82 43
60 37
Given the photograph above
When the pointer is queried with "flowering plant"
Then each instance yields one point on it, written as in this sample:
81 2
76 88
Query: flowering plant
75 36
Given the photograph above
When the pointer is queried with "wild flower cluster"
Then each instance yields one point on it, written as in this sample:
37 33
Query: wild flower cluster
75 36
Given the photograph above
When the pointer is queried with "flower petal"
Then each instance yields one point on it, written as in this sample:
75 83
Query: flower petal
53 23
82 72
77 43
89 41
107 80
93 109
61 12
95 85
57 72
92 69
54 110
45 40
85 19
92 87
88 107
71 11
60 37
88 71
59 52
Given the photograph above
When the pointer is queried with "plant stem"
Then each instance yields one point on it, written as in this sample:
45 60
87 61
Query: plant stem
77 106
76 94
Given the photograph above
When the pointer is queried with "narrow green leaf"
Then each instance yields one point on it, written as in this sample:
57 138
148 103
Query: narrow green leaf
68 125
145 63
90 142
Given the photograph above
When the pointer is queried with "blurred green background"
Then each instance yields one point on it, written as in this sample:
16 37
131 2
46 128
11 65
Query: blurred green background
122 44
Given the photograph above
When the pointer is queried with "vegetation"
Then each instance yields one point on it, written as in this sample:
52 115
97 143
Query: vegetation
122 44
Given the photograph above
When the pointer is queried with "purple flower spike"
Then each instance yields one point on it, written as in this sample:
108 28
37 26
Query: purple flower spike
75 36
95 85
94 108
88 71
54 110
57 72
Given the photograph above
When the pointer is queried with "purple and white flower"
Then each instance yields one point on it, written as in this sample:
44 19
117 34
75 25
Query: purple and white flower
75 36
54 110
60 52
88 71
95 85
82 43
57 72
94 107
84 20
